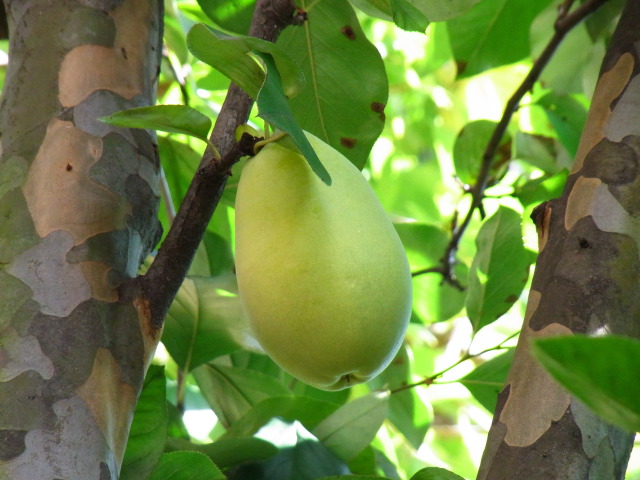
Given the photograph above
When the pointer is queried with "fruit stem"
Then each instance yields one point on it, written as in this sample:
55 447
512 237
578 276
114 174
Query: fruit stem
273 138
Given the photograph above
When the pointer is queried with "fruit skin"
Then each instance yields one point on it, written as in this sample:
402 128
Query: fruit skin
322 274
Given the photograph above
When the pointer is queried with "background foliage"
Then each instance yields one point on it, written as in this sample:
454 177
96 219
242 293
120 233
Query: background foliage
411 92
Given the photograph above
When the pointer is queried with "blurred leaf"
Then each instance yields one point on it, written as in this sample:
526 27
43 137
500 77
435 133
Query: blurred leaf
348 430
185 466
148 432
486 380
469 149
435 473
567 116
234 16
492 33
228 451
343 101
167 118
406 410
308 411
205 321
425 244
231 392
500 268
273 107
536 150
601 371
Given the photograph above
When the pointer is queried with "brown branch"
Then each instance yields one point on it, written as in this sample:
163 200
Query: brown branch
164 277
564 23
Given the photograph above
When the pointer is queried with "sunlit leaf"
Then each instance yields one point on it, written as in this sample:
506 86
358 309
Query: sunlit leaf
345 94
500 268
407 411
186 466
234 16
148 431
486 380
166 118
602 372
354 425
205 321
469 149
231 392
308 411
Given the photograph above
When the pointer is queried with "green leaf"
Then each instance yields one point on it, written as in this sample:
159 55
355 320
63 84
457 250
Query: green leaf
567 116
228 57
486 380
602 372
273 107
227 451
308 411
348 430
166 118
408 17
233 57
469 149
407 411
435 473
303 459
346 90
234 16
492 33
205 321
431 10
433 301
185 466
500 268
354 477
148 431
231 392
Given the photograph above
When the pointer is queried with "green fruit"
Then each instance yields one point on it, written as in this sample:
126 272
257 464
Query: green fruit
322 274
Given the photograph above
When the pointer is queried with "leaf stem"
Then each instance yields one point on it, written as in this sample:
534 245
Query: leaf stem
273 138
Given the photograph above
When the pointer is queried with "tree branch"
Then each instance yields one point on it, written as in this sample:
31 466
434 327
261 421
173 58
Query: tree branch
564 23
164 277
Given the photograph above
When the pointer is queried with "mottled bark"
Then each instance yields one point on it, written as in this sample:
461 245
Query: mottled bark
79 202
586 281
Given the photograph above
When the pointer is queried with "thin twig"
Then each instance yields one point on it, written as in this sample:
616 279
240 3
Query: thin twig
165 275
467 356
564 23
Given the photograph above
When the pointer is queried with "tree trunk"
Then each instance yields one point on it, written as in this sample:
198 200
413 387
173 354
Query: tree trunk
78 201
585 282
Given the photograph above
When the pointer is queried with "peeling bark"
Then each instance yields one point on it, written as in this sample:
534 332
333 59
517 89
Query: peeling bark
585 282
78 201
